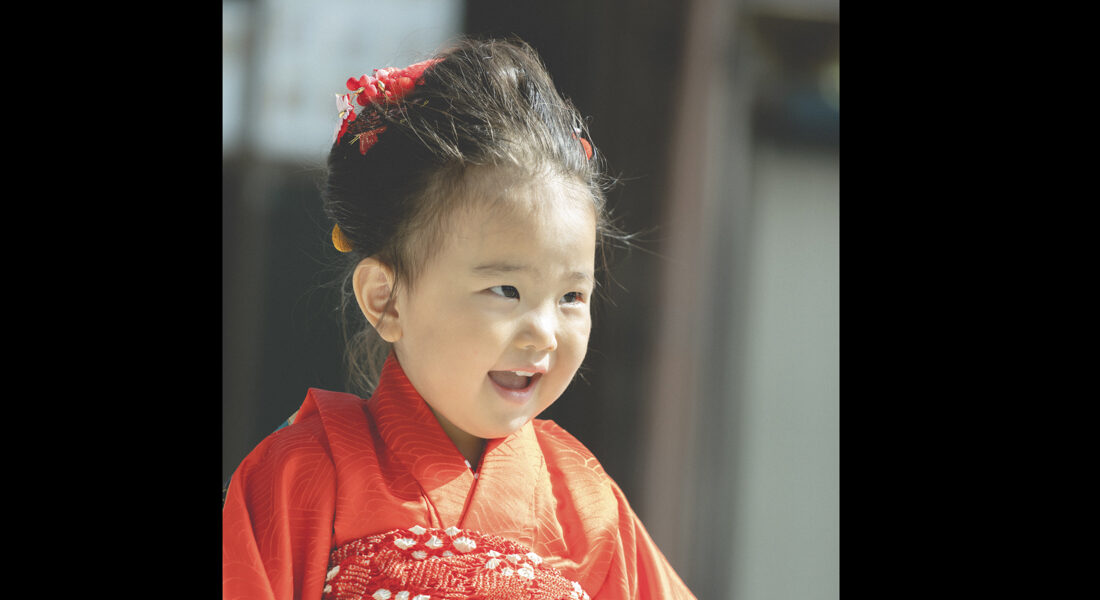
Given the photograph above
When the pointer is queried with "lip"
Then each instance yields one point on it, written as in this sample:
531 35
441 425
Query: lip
526 369
518 395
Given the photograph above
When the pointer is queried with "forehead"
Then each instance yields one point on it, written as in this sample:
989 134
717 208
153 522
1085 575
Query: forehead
544 210
550 222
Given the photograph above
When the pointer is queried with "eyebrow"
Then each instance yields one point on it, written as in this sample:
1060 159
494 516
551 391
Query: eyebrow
504 268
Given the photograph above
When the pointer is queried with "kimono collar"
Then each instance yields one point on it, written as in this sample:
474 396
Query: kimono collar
509 468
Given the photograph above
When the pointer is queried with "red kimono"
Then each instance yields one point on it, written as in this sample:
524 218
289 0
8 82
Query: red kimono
371 499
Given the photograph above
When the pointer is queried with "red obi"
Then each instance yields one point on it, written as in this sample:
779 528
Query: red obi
434 564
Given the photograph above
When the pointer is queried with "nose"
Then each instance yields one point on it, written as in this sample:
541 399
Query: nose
539 330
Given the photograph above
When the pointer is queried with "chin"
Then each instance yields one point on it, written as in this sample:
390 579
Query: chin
504 430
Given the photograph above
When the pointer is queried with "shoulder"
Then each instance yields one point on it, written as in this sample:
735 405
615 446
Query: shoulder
564 451
301 447
549 432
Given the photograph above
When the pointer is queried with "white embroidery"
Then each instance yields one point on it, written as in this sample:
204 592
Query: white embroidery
507 571
422 597
526 571
420 555
535 558
382 594
514 558
404 543
493 563
493 553
434 543
332 572
418 530
452 530
401 596
328 589
464 544
448 553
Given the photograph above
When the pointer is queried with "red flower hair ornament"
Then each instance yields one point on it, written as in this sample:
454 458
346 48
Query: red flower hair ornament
386 86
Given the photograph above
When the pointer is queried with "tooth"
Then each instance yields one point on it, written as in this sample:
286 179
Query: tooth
524 374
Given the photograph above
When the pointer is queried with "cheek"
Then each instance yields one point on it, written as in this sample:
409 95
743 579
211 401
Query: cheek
583 327
462 328
575 340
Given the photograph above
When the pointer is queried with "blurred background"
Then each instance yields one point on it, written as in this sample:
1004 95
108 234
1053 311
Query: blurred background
711 388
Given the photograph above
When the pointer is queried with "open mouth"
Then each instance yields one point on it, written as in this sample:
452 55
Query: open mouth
516 381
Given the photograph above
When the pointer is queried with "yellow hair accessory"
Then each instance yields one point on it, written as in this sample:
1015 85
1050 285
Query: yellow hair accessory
339 241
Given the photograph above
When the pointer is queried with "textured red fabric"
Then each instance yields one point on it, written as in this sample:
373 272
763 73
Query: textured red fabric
445 564
349 468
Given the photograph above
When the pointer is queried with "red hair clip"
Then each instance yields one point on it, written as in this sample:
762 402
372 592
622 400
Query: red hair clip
584 144
587 148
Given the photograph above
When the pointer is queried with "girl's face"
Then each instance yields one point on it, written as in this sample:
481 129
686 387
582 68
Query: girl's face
497 323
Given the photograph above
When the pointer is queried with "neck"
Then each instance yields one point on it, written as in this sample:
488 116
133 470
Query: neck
468 445
472 452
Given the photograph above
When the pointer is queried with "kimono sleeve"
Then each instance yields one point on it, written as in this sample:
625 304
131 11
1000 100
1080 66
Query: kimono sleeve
645 572
277 519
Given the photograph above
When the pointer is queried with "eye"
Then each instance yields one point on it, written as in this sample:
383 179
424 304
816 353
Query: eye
505 291
573 298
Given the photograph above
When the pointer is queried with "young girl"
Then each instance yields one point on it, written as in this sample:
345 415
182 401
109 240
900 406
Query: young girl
469 205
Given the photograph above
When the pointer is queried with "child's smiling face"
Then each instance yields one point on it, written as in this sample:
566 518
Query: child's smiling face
508 292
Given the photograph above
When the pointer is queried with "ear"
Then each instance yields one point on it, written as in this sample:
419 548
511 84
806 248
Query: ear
373 282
